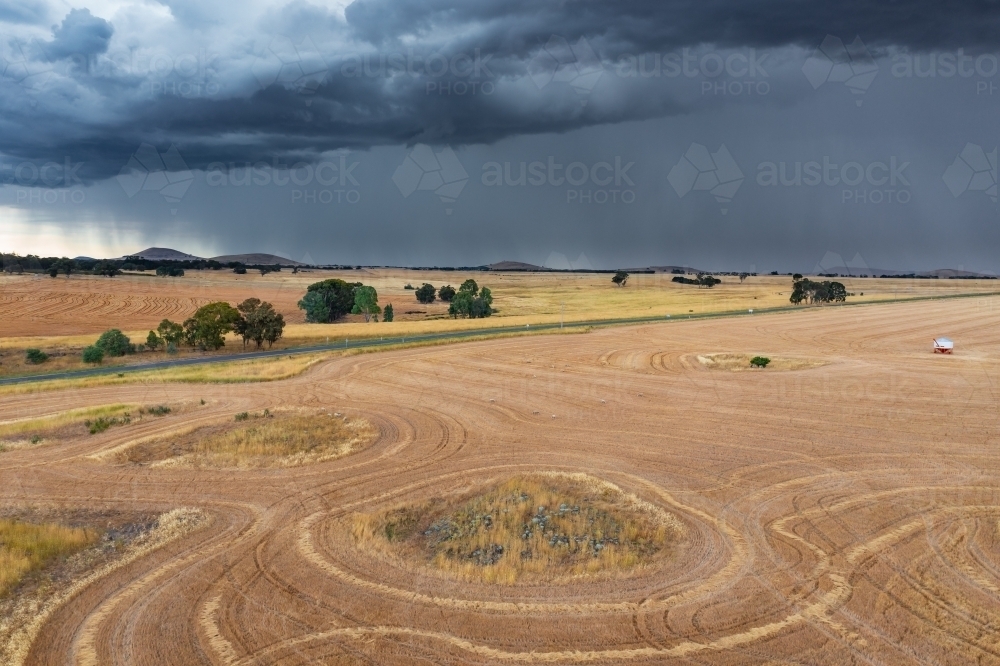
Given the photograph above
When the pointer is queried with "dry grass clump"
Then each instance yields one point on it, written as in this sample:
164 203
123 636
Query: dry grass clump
25 547
741 362
18 433
259 440
549 526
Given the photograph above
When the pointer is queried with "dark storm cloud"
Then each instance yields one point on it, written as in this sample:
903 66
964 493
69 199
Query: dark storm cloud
646 25
80 35
304 80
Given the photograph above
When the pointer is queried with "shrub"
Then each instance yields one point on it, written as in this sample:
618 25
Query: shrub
446 293
114 343
159 410
102 423
240 270
35 356
759 361
93 354
426 293
243 416
408 286
387 314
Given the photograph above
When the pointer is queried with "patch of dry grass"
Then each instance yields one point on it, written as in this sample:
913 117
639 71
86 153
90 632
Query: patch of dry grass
741 363
543 526
17 432
26 547
273 440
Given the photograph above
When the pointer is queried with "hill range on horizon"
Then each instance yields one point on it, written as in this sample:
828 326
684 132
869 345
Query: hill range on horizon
264 258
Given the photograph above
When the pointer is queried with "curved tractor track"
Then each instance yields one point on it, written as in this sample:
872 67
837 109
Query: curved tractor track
847 513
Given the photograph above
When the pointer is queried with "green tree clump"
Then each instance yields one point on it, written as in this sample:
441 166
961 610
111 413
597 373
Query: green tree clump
35 356
106 268
209 325
65 265
153 341
114 343
259 322
328 300
426 293
170 332
93 354
810 291
759 361
366 303
703 280
446 293
471 301
620 278
387 314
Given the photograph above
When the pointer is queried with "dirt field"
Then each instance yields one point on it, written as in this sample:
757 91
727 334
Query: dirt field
69 311
842 508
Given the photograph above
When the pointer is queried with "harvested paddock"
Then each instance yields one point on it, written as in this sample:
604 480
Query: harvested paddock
842 513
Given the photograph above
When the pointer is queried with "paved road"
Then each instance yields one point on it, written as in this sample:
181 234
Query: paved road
453 335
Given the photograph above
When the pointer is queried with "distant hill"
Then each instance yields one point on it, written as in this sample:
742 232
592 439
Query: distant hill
162 254
514 266
258 258
561 264
943 273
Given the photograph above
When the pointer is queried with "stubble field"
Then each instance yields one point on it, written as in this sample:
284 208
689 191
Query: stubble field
842 506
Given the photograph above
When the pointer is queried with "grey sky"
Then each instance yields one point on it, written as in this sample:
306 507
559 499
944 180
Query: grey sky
401 115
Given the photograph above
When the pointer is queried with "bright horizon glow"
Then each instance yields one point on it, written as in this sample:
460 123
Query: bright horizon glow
21 233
